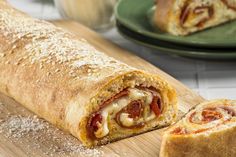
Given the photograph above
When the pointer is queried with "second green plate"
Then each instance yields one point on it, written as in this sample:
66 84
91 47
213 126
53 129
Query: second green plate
220 54
133 14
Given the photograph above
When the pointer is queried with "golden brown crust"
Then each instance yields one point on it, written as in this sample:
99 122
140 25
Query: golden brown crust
62 78
217 141
220 144
183 17
163 13
124 81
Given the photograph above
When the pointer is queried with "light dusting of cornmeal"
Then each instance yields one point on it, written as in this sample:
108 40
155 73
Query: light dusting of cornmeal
20 127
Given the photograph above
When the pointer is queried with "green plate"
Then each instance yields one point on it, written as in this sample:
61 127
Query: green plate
220 54
135 15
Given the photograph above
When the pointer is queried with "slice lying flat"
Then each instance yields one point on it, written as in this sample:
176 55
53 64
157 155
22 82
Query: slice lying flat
182 17
209 130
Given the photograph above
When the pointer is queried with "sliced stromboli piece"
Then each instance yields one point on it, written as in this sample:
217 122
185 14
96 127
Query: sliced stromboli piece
128 112
69 83
182 17
207 130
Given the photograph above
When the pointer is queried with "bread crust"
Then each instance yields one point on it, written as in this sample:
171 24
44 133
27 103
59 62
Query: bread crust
62 78
163 13
183 17
215 143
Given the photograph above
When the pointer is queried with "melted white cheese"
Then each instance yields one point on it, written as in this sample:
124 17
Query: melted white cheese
103 127
136 94
148 98
125 120
112 109
150 117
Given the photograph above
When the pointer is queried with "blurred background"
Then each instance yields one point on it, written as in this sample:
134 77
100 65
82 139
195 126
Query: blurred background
210 78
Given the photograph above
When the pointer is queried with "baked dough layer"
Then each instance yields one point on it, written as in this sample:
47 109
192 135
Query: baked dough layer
207 130
183 17
63 79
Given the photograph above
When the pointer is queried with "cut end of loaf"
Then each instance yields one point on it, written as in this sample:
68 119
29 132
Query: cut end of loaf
129 81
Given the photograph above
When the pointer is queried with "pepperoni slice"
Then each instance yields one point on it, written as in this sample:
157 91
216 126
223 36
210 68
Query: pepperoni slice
156 105
210 114
134 109
200 10
201 130
230 111
230 4
179 131
92 125
186 10
125 92
191 117
184 14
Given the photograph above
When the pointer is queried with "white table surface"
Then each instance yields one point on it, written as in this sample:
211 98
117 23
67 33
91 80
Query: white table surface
211 79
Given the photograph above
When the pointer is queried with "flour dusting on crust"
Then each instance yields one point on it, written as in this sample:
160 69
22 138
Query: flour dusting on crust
45 43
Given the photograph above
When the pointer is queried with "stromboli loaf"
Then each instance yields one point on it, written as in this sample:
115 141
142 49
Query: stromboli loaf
209 130
66 81
182 17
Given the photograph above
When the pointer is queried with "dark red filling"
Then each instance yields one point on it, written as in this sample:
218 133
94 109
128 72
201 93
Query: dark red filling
186 10
134 109
184 14
123 93
156 105
92 125
229 110
179 131
208 115
230 4
200 10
